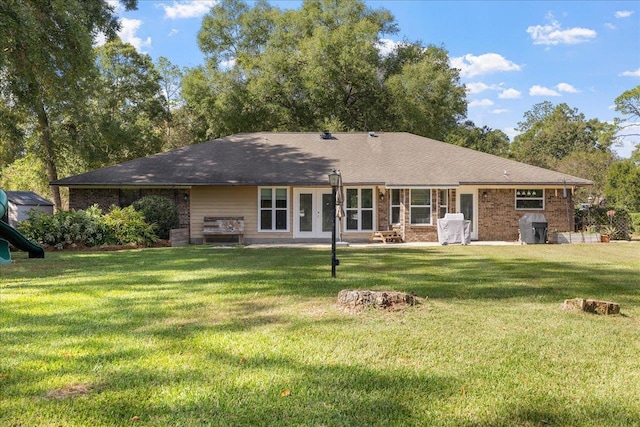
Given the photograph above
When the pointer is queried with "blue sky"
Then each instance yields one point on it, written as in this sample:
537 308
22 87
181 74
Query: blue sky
512 54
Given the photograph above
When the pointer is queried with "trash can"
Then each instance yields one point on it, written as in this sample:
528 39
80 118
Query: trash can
533 228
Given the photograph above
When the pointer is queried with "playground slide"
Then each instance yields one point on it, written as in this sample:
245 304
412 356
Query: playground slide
14 237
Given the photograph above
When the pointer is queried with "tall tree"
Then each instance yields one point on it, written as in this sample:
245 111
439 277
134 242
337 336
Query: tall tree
181 127
629 103
623 186
129 105
427 97
318 66
45 55
483 139
550 133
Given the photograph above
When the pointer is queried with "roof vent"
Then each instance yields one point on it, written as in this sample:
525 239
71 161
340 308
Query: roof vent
325 134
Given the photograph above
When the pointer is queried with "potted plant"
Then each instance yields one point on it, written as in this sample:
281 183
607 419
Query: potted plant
607 232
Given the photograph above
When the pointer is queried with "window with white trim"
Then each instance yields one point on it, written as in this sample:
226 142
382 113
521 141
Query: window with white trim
273 209
395 206
359 209
443 200
420 206
529 199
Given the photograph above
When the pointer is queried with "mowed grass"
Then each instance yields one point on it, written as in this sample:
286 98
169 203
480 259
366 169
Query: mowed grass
253 337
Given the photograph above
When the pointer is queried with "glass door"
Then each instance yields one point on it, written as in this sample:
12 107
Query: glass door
467 205
312 213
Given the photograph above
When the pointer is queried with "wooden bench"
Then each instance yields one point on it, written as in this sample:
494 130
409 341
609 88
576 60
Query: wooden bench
215 226
388 236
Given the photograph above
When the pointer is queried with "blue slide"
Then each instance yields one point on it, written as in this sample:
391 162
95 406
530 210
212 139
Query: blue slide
9 234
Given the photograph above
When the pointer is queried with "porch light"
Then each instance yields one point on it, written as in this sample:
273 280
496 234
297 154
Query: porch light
334 181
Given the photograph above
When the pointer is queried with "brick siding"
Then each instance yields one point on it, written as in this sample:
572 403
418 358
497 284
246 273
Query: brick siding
498 217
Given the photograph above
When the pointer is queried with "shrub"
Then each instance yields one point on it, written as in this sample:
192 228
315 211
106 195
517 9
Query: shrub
89 227
160 211
635 221
128 226
65 227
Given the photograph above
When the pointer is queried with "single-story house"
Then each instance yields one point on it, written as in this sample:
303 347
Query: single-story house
20 203
278 183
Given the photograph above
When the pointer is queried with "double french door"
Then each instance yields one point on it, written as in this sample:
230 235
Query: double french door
312 214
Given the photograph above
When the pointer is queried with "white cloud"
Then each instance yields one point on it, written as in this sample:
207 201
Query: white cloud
510 94
481 103
554 34
500 111
538 90
623 14
386 46
187 9
511 132
473 88
128 33
566 87
635 73
610 26
173 32
471 65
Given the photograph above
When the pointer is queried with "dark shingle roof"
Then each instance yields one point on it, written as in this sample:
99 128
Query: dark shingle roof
394 159
27 198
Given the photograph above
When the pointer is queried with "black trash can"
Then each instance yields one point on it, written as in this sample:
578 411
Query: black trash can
533 228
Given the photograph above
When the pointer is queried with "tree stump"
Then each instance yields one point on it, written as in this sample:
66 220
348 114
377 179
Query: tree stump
592 306
357 300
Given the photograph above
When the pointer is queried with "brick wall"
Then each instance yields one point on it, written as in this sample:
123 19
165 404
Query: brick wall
82 198
498 218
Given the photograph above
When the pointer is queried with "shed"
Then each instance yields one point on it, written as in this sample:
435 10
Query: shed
21 202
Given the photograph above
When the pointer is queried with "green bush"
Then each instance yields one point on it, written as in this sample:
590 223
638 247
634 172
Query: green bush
160 211
635 221
128 226
65 227
89 227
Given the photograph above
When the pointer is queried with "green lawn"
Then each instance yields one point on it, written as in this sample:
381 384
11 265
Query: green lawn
233 337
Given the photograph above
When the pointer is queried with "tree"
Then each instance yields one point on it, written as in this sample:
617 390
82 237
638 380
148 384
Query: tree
12 133
128 106
623 186
483 139
591 165
427 97
25 173
302 70
550 133
45 55
629 103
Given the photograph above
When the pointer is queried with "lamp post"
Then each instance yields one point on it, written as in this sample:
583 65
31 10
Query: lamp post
334 180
